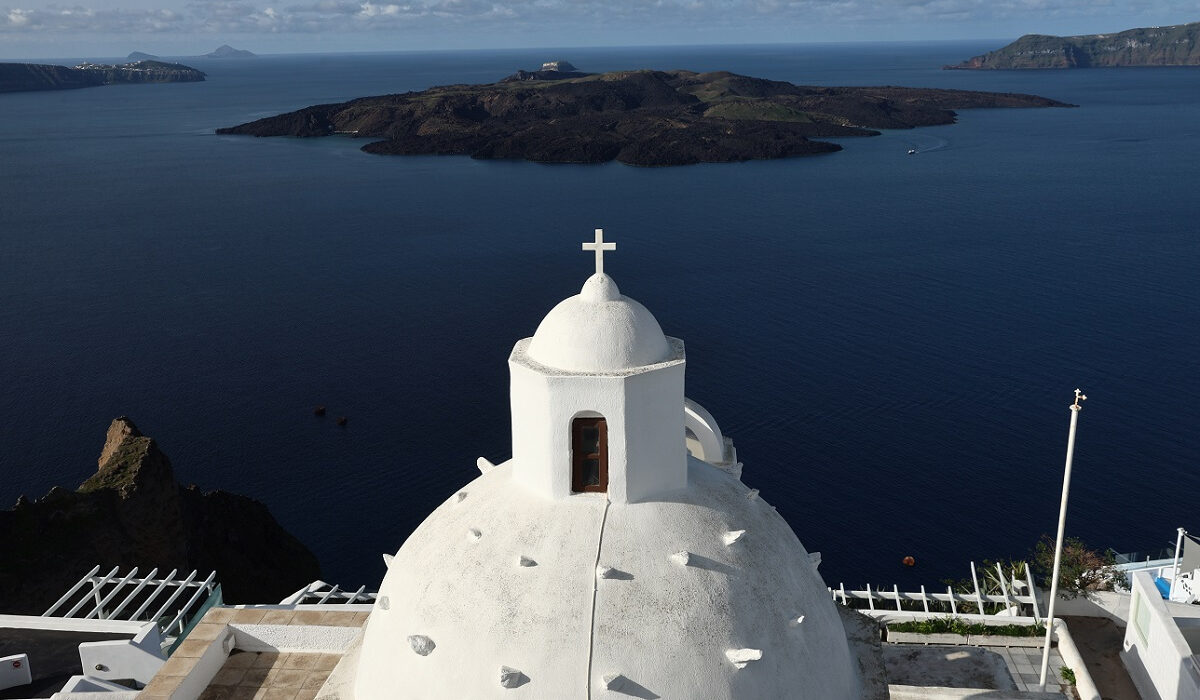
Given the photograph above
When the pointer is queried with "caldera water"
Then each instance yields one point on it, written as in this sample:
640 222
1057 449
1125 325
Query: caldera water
891 340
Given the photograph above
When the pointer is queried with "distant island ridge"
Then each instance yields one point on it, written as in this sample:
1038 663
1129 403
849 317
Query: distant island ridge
222 51
22 77
640 117
227 51
1177 45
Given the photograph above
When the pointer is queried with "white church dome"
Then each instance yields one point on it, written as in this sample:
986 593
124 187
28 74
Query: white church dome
599 330
602 561
502 593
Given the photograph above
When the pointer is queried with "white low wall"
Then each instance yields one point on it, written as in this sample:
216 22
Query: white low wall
1156 652
1111 604
119 659
288 638
71 624
205 668
14 671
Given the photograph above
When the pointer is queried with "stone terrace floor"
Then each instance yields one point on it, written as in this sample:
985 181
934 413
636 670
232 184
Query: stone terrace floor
248 675
268 676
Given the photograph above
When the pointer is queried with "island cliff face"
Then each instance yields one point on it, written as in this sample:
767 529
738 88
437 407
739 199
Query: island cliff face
20 77
642 117
1153 46
132 512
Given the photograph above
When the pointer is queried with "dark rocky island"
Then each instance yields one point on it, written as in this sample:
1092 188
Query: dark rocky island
1178 45
19 77
227 51
139 56
645 117
132 512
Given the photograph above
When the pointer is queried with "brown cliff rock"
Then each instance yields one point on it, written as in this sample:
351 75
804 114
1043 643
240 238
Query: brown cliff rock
132 512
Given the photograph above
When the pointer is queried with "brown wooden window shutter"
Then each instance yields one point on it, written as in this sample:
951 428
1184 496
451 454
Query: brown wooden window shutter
589 455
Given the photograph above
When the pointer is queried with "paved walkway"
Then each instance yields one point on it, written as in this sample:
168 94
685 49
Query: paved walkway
1025 665
1099 640
964 666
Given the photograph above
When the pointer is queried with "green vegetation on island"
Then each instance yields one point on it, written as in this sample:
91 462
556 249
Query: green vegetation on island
1178 45
644 117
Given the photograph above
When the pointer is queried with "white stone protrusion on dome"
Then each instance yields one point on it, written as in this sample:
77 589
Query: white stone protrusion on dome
732 536
510 677
682 558
742 657
383 602
474 534
485 465
525 561
458 497
599 330
387 559
613 681
752 494
421 644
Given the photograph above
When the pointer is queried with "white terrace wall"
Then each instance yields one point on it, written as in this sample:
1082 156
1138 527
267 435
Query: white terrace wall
1156 652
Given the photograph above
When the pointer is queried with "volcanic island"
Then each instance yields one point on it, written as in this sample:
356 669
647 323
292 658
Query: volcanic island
642 117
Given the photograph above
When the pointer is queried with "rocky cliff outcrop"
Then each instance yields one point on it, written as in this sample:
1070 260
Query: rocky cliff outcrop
132 512
21 77
1178 45
637 117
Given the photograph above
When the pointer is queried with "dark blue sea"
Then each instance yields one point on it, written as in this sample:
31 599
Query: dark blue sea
892 341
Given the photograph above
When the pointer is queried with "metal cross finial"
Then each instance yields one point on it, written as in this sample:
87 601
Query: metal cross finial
1079 396
599 246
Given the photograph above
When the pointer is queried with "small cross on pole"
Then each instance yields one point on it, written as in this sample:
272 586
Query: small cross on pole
1079 396
599 247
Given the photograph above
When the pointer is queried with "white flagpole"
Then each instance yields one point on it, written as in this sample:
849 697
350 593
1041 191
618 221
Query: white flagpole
1058 543
1175 563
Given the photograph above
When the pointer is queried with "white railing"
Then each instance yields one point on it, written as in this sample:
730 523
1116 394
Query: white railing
322 593
1007 597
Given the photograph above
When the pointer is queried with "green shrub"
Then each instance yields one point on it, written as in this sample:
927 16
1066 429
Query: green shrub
1068 675
956 625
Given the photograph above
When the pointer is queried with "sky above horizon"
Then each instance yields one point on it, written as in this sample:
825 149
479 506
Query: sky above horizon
111 28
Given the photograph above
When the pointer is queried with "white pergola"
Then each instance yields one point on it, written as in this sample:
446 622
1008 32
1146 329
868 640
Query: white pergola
170 600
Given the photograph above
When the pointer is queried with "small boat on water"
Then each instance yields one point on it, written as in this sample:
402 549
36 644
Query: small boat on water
912 151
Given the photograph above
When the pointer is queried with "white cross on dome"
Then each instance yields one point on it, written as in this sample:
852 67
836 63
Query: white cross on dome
599 247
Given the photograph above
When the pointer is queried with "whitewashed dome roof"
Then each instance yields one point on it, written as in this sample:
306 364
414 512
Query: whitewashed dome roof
708 595
599 330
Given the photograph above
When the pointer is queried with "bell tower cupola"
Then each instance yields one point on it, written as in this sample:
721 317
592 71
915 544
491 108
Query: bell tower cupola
596 396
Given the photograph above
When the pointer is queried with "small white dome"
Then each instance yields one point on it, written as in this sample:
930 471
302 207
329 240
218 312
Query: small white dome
599 330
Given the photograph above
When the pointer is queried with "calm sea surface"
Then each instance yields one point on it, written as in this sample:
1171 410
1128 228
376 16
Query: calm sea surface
891 340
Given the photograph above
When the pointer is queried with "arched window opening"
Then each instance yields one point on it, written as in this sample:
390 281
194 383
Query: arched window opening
589 455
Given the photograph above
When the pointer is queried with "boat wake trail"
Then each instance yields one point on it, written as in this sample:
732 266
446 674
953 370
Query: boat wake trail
922 143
